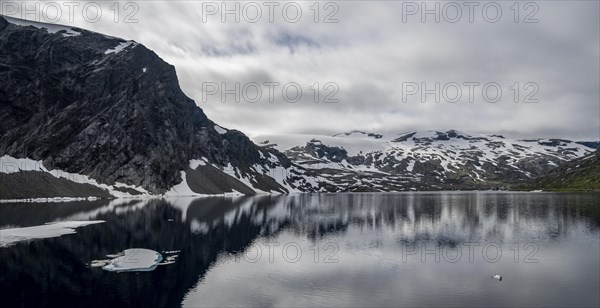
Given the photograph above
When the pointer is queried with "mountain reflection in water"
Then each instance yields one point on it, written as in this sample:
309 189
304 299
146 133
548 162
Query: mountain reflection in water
224 257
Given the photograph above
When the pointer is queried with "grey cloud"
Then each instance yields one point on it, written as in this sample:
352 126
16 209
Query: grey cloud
371 52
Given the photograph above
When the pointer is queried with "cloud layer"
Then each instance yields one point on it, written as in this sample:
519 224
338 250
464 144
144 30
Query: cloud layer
370 56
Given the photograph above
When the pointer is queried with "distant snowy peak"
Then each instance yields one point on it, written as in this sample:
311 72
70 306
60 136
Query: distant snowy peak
429 159
359 141
360 134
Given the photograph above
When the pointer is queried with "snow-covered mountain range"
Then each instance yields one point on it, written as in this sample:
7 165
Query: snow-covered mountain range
423 160
84 114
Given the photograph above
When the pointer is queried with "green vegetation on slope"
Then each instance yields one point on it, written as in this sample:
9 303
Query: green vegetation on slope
582 174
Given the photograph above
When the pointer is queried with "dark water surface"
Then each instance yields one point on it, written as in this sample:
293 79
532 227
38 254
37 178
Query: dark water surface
365 250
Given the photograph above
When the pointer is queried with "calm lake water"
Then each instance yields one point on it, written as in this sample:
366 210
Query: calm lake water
363 250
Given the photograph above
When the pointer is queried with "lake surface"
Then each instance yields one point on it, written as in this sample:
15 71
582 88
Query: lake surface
362 250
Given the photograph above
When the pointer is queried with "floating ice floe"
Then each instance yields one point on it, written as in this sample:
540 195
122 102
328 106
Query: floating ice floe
133 260
49 230
48 200
169 260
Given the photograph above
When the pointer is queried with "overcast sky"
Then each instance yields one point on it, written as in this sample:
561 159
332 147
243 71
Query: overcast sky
374 55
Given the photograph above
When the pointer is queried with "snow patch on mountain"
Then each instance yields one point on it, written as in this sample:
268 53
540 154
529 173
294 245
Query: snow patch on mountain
182 189
10 165
353 145
122 46
220 129
195 163
50 28
430 159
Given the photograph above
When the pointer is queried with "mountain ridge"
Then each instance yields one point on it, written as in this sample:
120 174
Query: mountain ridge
425 160
110 109
97 110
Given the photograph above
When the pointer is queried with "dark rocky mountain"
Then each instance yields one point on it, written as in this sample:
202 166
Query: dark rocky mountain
110 109
84 114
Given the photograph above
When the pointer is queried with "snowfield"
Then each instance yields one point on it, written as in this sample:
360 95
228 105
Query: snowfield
439 159
9 165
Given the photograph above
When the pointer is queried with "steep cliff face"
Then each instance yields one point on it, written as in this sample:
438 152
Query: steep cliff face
111 109
99 110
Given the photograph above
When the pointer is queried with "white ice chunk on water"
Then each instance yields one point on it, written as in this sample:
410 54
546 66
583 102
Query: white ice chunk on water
98 263
169 260
134 260
49 230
